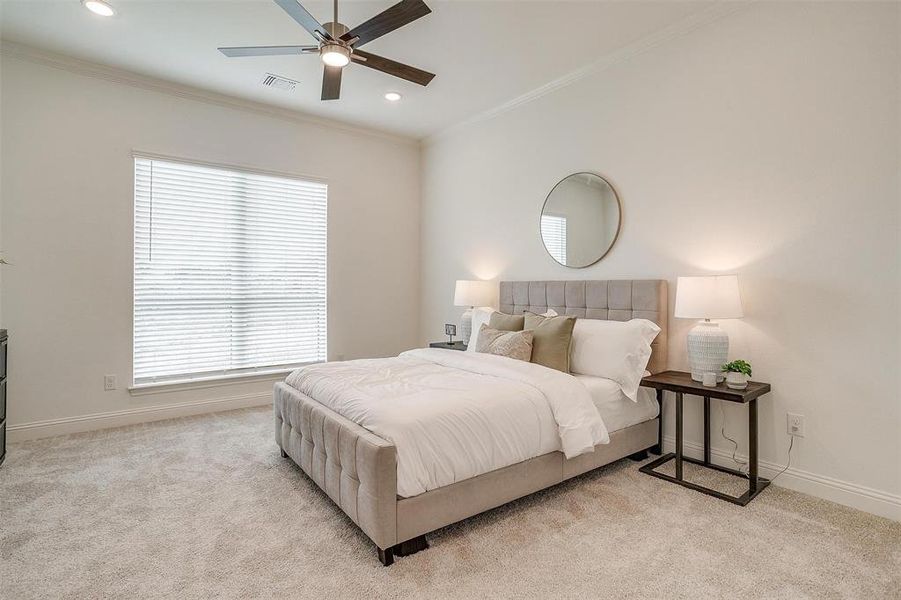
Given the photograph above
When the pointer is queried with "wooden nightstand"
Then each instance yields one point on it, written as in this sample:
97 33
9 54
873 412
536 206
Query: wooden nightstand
448 345
681 383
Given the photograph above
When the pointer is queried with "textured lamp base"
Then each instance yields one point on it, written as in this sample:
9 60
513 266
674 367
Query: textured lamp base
466 326
708 350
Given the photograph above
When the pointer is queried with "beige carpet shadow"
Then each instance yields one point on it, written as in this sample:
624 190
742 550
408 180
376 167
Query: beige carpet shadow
205 507
724 483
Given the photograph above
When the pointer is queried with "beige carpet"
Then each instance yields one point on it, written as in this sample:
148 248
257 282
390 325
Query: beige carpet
205 507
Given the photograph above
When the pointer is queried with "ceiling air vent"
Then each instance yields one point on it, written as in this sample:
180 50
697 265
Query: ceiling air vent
278 82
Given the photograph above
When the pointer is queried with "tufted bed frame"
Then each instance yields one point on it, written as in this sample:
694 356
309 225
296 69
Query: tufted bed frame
358 469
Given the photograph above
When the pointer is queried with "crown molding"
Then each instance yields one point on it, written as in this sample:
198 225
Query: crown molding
77 66
678 29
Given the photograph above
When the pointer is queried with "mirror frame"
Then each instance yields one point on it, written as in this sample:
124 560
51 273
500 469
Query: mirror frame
619 225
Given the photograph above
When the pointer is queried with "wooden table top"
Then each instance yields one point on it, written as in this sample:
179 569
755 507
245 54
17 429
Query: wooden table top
680 381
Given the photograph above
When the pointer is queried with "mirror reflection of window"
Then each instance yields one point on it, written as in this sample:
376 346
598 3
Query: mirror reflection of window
553 232
580 220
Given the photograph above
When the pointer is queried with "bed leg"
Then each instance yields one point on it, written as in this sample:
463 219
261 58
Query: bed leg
284 454
639 456
386 557
417 544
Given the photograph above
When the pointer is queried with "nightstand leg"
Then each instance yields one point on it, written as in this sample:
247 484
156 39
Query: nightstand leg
752 446
679 435
658 449
706 430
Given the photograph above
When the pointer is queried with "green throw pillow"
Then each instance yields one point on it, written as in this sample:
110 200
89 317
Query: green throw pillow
504 322
551 341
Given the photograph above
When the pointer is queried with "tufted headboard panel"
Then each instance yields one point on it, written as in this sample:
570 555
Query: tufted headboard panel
614 300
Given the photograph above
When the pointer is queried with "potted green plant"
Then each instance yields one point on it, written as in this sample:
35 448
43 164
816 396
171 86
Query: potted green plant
737 374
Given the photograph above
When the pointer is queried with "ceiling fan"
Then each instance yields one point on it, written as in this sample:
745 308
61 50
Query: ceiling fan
338 45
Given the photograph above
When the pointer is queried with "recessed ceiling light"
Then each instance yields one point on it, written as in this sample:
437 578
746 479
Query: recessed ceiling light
393 96
98 7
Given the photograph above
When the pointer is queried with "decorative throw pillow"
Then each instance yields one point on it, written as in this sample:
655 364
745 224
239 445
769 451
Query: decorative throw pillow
552 340
504 322
512 344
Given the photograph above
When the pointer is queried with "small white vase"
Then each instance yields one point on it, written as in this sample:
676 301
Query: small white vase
736 381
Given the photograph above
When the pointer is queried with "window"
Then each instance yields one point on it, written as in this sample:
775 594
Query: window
553 232
230 271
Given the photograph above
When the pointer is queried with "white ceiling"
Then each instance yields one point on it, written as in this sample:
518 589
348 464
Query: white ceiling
484 53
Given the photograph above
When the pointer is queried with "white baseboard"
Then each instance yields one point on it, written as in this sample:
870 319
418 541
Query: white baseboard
131 416
856 496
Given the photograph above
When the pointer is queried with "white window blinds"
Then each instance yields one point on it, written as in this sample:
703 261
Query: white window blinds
553 232
230 271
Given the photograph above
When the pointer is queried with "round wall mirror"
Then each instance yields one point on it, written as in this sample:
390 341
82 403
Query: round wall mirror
580 220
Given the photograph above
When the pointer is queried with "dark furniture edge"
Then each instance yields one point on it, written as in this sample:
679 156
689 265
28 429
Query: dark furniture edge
680 381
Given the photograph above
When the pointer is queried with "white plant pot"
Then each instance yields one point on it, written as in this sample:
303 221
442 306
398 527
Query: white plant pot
736 381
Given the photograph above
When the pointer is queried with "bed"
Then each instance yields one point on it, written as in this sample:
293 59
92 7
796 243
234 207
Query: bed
358 469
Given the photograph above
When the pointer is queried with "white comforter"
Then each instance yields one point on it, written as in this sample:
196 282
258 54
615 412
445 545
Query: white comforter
455 415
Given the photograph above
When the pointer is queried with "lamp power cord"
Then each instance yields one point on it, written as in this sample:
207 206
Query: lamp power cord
743 466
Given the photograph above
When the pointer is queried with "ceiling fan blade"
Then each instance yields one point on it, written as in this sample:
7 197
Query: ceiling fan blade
331 82
405 11
268 50
304 18
391 67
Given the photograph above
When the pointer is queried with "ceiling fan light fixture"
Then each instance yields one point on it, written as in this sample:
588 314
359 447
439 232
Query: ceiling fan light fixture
392 96
335 55
98 7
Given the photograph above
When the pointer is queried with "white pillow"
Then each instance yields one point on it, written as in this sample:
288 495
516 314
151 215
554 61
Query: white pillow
480 316
617 350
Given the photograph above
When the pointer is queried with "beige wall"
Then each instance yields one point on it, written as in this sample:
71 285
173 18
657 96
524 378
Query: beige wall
764 144
67 193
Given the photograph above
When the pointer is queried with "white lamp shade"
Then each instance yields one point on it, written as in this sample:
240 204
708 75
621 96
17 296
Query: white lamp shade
474 293
713 297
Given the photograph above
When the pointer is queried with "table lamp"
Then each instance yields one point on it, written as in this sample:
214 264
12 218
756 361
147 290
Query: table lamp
712 297
471 294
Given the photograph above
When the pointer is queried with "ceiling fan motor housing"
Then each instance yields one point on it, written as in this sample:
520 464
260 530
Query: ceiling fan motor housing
335 30
335 52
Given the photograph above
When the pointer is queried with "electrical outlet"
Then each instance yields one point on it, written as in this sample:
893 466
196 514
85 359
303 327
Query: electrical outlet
109 382
795 424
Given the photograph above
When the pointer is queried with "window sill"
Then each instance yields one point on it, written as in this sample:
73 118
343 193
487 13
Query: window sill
197 383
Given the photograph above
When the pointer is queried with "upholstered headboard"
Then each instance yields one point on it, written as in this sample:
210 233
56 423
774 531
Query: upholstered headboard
614 300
